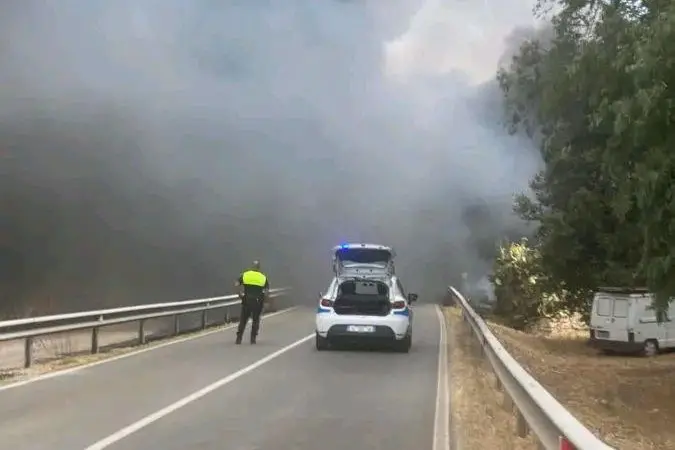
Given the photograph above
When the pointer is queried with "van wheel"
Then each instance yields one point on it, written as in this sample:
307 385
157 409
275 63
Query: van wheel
651 347
321 343
403 346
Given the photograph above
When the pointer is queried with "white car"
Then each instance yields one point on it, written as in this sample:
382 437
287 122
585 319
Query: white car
360 308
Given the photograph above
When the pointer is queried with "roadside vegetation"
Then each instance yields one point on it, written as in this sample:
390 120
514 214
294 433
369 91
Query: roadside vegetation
594 90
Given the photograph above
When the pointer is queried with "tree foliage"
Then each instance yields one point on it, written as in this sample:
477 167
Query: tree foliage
598 99
522 289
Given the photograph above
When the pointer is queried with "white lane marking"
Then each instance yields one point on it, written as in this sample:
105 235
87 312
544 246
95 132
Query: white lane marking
71 370
442 415
147 420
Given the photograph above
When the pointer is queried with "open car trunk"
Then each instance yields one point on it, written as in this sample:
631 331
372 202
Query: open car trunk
354 258
362 297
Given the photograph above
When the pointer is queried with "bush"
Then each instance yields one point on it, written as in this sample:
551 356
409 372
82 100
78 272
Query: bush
523 292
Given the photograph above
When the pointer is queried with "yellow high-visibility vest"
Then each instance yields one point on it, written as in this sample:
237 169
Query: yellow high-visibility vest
254 278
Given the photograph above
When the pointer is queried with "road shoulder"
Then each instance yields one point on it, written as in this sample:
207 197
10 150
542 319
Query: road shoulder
479 417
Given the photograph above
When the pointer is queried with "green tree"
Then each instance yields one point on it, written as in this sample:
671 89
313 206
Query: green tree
597 98
640 158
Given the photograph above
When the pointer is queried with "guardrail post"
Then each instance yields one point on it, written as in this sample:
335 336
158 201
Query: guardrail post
176 324
94 340
227 314
204 317
521 425
28 352
141 332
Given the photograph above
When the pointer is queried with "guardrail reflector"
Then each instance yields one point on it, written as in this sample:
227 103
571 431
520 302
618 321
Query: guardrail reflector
565 444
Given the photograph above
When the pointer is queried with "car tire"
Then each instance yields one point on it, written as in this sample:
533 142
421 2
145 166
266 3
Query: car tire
403 346
321 343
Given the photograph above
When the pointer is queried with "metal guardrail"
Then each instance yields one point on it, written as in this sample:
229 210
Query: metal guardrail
33 327
536 409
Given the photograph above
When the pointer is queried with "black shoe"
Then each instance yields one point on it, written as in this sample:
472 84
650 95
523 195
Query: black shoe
238 340
252 339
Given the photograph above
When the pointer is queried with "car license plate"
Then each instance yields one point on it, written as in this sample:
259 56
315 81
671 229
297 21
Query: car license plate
361 329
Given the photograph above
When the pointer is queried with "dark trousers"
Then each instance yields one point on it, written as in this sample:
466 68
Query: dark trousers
250 307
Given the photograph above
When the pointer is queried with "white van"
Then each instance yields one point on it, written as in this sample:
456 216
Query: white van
623 320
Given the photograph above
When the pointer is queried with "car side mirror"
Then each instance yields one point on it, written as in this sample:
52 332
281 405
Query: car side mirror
412 298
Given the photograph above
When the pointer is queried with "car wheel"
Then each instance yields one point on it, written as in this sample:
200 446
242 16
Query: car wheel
321 343
651 348
403 346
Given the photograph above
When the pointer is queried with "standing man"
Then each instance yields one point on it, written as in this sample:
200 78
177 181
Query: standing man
253 288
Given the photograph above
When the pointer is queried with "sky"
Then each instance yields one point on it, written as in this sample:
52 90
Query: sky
153 148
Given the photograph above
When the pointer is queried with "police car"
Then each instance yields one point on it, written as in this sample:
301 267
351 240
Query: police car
365 301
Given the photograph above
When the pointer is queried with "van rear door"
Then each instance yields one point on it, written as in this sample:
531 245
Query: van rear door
609 318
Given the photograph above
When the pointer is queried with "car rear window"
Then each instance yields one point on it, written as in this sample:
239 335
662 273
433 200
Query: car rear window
363 256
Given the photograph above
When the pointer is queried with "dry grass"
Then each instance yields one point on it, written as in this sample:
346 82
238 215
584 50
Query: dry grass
629 402
479 418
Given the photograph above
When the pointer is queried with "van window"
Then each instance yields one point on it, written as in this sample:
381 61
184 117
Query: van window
604 306
620 308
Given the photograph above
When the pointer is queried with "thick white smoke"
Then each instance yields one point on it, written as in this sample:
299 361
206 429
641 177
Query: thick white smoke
199 135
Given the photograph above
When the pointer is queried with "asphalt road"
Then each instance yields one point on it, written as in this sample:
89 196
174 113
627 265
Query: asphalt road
207 393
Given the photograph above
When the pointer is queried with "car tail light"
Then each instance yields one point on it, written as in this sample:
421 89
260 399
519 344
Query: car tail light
326 303
398 304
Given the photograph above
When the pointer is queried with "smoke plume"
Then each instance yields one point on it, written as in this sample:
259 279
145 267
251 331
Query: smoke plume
150 149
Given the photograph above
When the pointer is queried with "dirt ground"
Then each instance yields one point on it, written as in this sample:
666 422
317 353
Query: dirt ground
628 401
479 419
